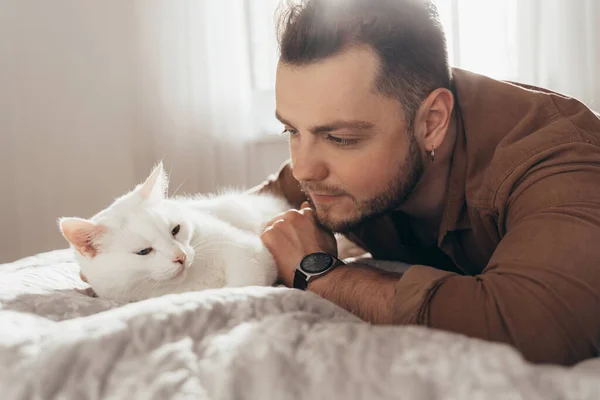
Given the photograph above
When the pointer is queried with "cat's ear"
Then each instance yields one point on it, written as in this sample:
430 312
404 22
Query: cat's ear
82 234
156 185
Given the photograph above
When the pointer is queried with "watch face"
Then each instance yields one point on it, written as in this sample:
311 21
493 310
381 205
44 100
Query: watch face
316 262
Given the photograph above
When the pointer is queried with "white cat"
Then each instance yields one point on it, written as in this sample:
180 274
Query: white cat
145 244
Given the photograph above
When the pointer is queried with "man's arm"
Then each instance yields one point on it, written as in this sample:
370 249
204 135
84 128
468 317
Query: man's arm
540 291
364 291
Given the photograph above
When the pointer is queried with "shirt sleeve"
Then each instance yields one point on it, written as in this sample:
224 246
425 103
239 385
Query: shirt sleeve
282 184
540 291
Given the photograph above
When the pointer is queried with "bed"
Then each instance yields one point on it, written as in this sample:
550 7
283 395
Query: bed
58 341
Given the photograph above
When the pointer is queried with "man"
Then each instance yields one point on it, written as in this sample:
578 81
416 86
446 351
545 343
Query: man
489 190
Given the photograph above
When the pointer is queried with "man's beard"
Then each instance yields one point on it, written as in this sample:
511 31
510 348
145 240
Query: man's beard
399 189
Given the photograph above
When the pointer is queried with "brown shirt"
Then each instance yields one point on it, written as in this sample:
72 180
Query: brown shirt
518 254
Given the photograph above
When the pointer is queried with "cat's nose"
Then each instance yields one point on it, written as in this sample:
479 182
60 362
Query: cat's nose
180 258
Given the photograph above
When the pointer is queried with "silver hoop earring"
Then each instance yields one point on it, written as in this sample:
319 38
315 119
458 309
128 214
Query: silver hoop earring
432 154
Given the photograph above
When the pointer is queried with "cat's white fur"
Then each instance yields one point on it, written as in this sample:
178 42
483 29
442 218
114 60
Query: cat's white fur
219 237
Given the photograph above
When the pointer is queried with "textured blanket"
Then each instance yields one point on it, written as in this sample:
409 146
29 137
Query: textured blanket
56 341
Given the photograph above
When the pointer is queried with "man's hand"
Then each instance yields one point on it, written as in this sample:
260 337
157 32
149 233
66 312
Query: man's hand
364 291
291 236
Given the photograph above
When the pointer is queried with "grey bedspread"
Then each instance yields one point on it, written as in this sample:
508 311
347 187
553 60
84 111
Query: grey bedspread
250 343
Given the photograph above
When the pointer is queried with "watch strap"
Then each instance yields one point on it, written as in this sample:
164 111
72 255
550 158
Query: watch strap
300 280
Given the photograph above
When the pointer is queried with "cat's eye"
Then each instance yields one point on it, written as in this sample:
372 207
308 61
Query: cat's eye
175 230
144 252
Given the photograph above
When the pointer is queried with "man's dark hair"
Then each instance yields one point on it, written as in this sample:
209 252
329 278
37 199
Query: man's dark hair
406 35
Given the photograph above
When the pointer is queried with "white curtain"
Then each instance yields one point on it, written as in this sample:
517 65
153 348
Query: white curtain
195 89
92 93
549 43
561 46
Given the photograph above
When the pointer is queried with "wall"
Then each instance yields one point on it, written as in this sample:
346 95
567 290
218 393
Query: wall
72 132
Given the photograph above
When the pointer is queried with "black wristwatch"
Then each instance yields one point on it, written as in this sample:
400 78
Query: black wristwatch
312 266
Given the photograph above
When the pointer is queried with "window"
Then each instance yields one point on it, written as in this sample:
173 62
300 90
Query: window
484 36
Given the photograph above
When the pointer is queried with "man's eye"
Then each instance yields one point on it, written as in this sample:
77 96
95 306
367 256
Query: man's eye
289 131
144 252
341 141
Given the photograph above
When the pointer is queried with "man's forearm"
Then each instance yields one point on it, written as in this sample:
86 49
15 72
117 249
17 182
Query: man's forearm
366 292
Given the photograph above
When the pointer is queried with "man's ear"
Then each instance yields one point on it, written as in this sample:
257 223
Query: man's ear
433 118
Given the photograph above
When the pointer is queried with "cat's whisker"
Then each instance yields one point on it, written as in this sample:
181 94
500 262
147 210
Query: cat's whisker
214 250
223 246
217 243
155 288
199 244
178 187
138 285
214 245
205 239
169 174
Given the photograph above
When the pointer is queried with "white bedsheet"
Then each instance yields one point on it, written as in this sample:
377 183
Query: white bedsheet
250 343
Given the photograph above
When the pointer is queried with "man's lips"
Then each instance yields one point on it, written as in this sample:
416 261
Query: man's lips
324 197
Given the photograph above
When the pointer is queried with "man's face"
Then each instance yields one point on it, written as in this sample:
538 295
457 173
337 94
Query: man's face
349 144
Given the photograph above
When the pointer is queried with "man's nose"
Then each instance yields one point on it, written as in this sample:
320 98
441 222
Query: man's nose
308 164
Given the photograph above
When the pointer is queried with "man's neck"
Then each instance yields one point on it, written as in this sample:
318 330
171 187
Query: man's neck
426 204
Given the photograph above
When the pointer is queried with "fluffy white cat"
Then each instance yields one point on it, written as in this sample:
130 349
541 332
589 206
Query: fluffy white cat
146 244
